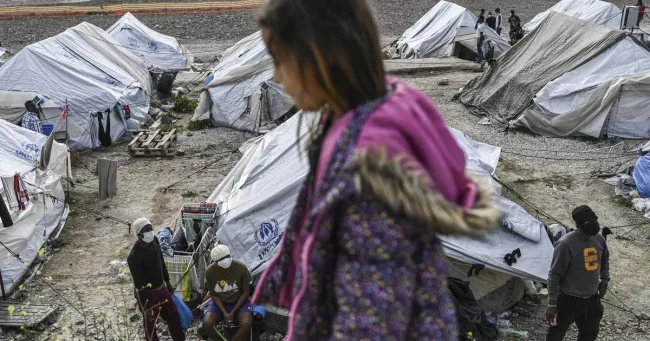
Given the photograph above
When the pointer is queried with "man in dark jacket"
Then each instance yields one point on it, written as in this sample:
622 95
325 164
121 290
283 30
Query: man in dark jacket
153 290
578 279
491 21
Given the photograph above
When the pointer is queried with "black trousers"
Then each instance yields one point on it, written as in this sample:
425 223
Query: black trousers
585 312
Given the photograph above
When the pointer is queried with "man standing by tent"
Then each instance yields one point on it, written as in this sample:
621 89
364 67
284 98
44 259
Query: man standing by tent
641 12
578 279
480 39
480 16
31 119
491 21
499 21
153 289
516 32
229 283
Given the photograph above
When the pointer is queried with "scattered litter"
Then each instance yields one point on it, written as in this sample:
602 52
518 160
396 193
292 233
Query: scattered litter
509 332
153 112
557 231
641 205
485 121
504 315
624 186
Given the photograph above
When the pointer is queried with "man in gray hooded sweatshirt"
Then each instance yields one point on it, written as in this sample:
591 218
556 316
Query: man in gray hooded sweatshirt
578 279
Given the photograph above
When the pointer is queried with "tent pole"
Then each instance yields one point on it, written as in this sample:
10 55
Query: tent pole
2 287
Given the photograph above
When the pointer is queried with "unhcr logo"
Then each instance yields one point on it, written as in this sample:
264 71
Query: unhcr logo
268 236
153 45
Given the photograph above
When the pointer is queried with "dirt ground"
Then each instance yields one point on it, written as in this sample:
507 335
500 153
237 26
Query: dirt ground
551 173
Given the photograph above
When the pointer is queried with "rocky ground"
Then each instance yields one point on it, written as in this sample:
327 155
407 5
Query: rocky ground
393 17
552 173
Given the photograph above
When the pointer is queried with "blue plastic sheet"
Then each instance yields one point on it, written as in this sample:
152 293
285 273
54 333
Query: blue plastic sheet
184 312
641 176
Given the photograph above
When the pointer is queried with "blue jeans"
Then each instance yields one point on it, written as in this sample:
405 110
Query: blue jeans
481 56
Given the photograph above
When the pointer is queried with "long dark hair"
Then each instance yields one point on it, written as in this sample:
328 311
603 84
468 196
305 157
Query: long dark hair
337 39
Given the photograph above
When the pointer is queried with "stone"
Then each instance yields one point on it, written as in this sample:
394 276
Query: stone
190 134
643 316
444 81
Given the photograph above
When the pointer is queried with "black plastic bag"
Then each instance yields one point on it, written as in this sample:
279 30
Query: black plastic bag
471 316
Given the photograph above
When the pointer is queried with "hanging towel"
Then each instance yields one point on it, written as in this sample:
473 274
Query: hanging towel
12 199
105 134
107 172
5 216
21 192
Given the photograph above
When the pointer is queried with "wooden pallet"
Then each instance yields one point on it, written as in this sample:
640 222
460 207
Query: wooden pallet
156 143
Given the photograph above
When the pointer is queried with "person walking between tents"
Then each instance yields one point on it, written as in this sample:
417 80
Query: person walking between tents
31 119
491 21
480 40
516 32
153 289
480 16
229 283
499 23
578 279
641 12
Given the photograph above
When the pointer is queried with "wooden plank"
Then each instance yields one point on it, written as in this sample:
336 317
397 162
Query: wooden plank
135 140
145 144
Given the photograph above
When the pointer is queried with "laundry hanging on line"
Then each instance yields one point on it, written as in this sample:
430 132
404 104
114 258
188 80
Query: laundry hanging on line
16 192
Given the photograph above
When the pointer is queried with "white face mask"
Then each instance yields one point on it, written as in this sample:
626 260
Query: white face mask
225 263
147 237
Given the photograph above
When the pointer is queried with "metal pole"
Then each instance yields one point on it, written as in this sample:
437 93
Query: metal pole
2 287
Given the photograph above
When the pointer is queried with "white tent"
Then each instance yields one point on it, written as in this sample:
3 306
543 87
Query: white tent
85 68
599 85
20 152
258 196
240 91
447 30
160 52
593 11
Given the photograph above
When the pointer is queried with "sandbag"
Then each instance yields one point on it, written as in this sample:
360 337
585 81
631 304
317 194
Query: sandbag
641 176
183 311
470 314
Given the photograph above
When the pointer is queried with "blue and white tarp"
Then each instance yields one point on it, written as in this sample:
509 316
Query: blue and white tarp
158 51
20 152
85 68
240 91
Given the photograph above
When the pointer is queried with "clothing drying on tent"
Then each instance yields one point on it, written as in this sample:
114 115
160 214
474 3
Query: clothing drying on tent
33 196
85 69
240 92
593 11
447 30
568 77
260 192
158 51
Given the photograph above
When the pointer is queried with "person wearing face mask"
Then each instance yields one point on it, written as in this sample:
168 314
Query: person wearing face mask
578 279
153 289
229 282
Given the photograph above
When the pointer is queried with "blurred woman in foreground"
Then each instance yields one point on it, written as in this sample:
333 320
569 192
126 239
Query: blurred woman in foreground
360 259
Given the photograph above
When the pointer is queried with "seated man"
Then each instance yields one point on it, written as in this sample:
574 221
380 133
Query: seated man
229 283
31 119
